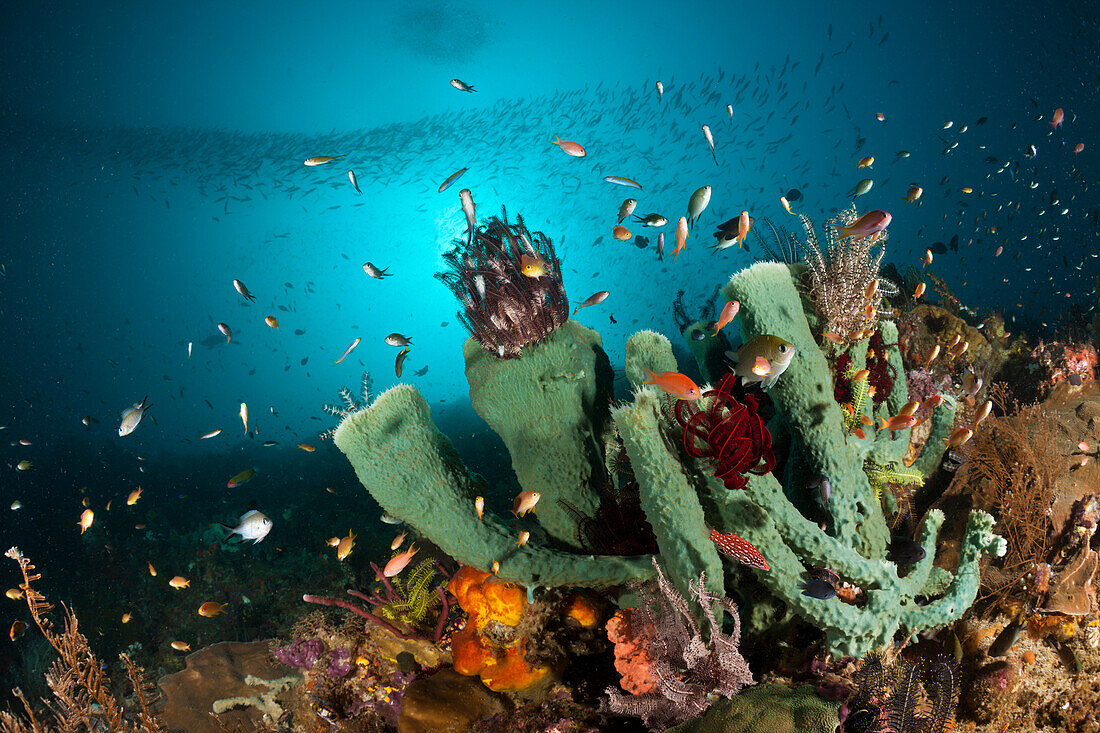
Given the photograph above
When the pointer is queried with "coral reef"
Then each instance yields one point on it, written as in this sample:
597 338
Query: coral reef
690 664
855 546
82 698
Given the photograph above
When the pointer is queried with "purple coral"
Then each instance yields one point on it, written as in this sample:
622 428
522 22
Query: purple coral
302 653
339 664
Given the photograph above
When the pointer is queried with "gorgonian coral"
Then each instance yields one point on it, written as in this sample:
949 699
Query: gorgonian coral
839 277
727 432
506 308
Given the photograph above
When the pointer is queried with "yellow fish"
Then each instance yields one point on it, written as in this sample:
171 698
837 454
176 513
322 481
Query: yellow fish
244 418
86 519
126 617
210 608
133 497
14 593
181 646
179 582
533 266
272 322
345 546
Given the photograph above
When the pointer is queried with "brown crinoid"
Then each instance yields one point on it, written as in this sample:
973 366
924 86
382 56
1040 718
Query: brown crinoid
839 275
505 309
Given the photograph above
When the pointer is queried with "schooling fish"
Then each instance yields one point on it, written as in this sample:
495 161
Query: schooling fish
681 236
870 224
570 148
226 331
399 562
244 417
676 384
862 187
729 312
620 181
660 90
131 417
241 478
697 204
710 141
272 322
321 160
762 359
451 179
351 347
345 545
462 86
354 182
211 609
627 208
243 290
374 272
396 339
594 299
652 220
467 200
253 525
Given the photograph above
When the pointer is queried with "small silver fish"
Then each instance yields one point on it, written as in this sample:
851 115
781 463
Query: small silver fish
131 417
243 290
462 86
697 204
467 200
593 299
354 182
862 187
661 246
374 272
253 525
710 141
660 90
627 208
396 339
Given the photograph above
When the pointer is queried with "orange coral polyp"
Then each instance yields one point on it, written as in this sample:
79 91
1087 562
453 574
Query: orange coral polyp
583 611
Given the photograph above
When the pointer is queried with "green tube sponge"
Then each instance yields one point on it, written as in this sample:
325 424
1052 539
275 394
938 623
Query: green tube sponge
771 304
551 407
767 709
417 476
669 501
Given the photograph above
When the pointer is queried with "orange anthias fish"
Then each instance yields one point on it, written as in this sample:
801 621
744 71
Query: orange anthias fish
345 546
272 322
306 447
729 312
86 519
1056 118
398 562
744 223
681 236
181 646
568 147
210 608
621 233
676 384
866 162
870 224
179 582
898 422
479 506
524 502
398 541
133 497
958 437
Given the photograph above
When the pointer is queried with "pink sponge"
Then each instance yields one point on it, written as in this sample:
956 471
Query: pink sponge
631 660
